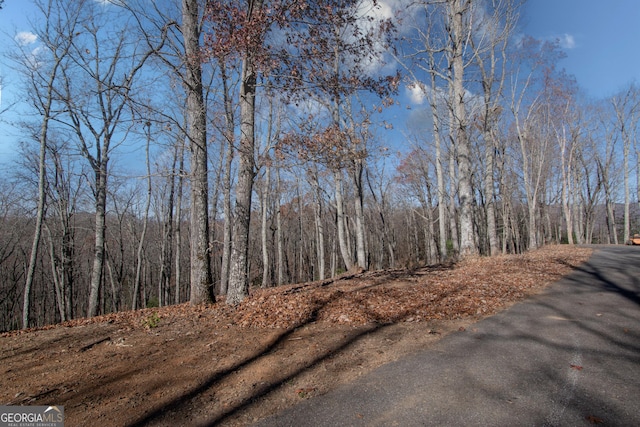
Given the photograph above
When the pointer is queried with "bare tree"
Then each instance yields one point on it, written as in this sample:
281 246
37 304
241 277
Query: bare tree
443 33
145 222
605 158
226 181
238 277
106 63
534 60
178 221
180 25
42 74
492 33
201 278
459 32
64 184
627 112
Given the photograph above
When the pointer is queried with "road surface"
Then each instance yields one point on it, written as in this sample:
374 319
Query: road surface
567 357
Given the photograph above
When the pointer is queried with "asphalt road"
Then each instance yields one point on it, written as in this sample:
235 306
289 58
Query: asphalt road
567 357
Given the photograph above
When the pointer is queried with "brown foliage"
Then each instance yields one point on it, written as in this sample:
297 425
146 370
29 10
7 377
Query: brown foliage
475 287
215 364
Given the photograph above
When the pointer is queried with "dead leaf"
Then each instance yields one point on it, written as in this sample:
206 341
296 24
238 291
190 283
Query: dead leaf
304 392
594 420
472 288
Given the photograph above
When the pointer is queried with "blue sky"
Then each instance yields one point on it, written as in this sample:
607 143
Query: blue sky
600 38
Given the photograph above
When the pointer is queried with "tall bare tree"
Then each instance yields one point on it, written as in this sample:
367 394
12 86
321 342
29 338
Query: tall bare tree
627 112
201 278
107 62
179 24
442 34
239 274
145 222
492 32
42 74
528 67
458 17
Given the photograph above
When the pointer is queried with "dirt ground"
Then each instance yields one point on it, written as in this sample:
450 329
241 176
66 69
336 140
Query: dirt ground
231 366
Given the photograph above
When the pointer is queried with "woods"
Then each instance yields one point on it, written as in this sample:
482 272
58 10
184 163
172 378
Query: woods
192 150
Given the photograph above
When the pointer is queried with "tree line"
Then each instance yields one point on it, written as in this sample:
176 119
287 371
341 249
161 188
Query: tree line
188 150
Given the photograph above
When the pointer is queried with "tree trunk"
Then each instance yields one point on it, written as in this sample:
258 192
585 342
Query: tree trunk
319 239
166 250
453 191
279 237
442 207
66 274
239 274
100 173
226 183
530 188
46 104
178 226
57 285
318 222
566 166
490 198
201 280
612 232
340 218
264 200
359 215
627 192
611 223
465 192
626 108
637 144
431 249
39 217
386 235
143 235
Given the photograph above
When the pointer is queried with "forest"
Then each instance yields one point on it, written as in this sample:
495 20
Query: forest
192 150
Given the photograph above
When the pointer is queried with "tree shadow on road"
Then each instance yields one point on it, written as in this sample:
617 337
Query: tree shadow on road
178 408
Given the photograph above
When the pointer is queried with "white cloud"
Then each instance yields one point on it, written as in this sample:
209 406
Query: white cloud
369 15
416 94
25 38
567 41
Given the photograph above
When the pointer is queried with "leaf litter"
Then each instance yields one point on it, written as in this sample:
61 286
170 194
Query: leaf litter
230 366
477 286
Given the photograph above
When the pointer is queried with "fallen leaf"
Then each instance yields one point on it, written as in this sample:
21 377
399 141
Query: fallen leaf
468 289
594 420
303 392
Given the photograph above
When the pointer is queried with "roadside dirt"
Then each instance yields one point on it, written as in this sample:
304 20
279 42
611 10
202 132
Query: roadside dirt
218 365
